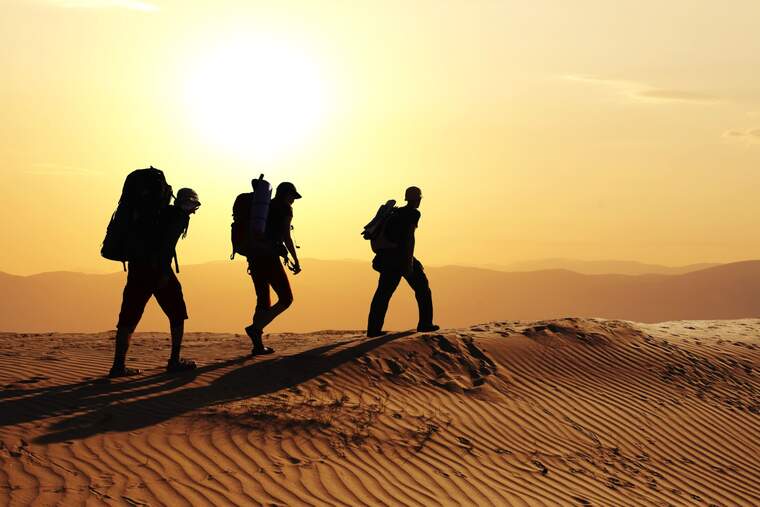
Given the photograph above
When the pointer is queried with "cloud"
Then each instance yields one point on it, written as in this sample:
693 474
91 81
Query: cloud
134 5
676 95
60 170
642 92
745 136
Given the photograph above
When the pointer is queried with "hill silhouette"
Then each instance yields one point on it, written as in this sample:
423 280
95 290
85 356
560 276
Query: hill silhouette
336 295
603 267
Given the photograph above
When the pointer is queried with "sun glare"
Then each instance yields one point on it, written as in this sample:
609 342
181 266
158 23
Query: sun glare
258 98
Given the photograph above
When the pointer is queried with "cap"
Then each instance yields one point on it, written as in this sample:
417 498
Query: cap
187 195
287 187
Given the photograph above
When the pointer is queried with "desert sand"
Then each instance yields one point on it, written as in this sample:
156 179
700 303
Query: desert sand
561 412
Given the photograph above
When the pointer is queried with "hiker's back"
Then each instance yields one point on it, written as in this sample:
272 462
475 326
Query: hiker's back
278 221
171 225
401 226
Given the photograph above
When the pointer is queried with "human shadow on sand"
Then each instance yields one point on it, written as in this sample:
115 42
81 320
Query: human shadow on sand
134 405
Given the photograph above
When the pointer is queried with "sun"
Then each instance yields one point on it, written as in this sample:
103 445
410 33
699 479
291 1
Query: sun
258 98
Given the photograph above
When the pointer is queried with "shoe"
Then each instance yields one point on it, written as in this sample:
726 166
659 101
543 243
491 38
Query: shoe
258 345
123 372
260 351
181 365
375 334
428 328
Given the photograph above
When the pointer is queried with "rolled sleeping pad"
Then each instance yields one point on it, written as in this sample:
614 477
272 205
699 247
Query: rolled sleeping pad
262 196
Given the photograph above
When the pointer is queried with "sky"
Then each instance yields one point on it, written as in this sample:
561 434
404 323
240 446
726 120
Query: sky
542 129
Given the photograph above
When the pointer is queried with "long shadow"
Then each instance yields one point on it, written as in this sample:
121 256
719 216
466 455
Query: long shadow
131 409
44 402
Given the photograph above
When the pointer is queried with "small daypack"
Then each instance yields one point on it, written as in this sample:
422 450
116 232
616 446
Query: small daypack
133 226
376 230
249 218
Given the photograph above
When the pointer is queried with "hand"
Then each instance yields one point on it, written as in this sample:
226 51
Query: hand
296 268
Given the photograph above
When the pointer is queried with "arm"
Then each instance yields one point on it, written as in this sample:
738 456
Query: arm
292 248
407 248
173 229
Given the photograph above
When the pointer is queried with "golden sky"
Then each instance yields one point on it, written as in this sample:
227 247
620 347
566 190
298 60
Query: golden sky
588 129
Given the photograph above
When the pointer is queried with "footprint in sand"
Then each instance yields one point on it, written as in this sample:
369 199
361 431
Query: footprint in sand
32 380
541 467
466 443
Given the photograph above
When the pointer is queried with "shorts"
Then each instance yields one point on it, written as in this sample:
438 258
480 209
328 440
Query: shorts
144 282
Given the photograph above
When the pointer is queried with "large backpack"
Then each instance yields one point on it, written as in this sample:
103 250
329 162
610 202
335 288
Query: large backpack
132 231
376 231
249 218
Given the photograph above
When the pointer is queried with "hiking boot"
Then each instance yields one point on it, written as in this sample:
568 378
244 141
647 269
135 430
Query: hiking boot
428 328
123 371
180 365
375 334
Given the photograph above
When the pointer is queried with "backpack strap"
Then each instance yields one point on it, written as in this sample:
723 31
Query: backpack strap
176 262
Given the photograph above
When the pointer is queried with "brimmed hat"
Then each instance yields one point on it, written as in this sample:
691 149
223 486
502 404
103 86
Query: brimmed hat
187 195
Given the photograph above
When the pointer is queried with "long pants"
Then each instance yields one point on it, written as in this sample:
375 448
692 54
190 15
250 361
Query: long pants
268 271
386 286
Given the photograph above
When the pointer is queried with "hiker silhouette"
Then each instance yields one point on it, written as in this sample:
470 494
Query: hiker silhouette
143 234
394 260
262 232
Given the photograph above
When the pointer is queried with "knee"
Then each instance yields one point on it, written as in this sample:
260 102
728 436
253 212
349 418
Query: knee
422 288
286 300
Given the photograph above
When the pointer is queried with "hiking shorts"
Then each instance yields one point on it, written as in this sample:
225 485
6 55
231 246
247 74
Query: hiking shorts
144 282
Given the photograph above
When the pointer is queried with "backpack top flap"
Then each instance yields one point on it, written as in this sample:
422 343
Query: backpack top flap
146 190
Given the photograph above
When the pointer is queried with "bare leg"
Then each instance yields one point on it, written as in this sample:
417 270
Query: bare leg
119 368
175 363
178 331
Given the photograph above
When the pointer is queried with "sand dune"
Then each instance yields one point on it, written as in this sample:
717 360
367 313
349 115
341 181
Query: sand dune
563 412
337 294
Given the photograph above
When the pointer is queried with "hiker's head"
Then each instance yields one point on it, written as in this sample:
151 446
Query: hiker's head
413 196
187 199
287 191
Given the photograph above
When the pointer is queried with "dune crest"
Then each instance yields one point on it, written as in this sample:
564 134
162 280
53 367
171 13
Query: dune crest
560 412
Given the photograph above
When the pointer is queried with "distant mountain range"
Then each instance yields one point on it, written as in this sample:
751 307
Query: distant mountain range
608 267
336 295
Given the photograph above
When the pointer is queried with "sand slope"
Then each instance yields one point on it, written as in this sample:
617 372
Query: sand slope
565 412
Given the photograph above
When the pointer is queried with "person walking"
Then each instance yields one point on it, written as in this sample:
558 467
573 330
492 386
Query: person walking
150 274
399 262
266 269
